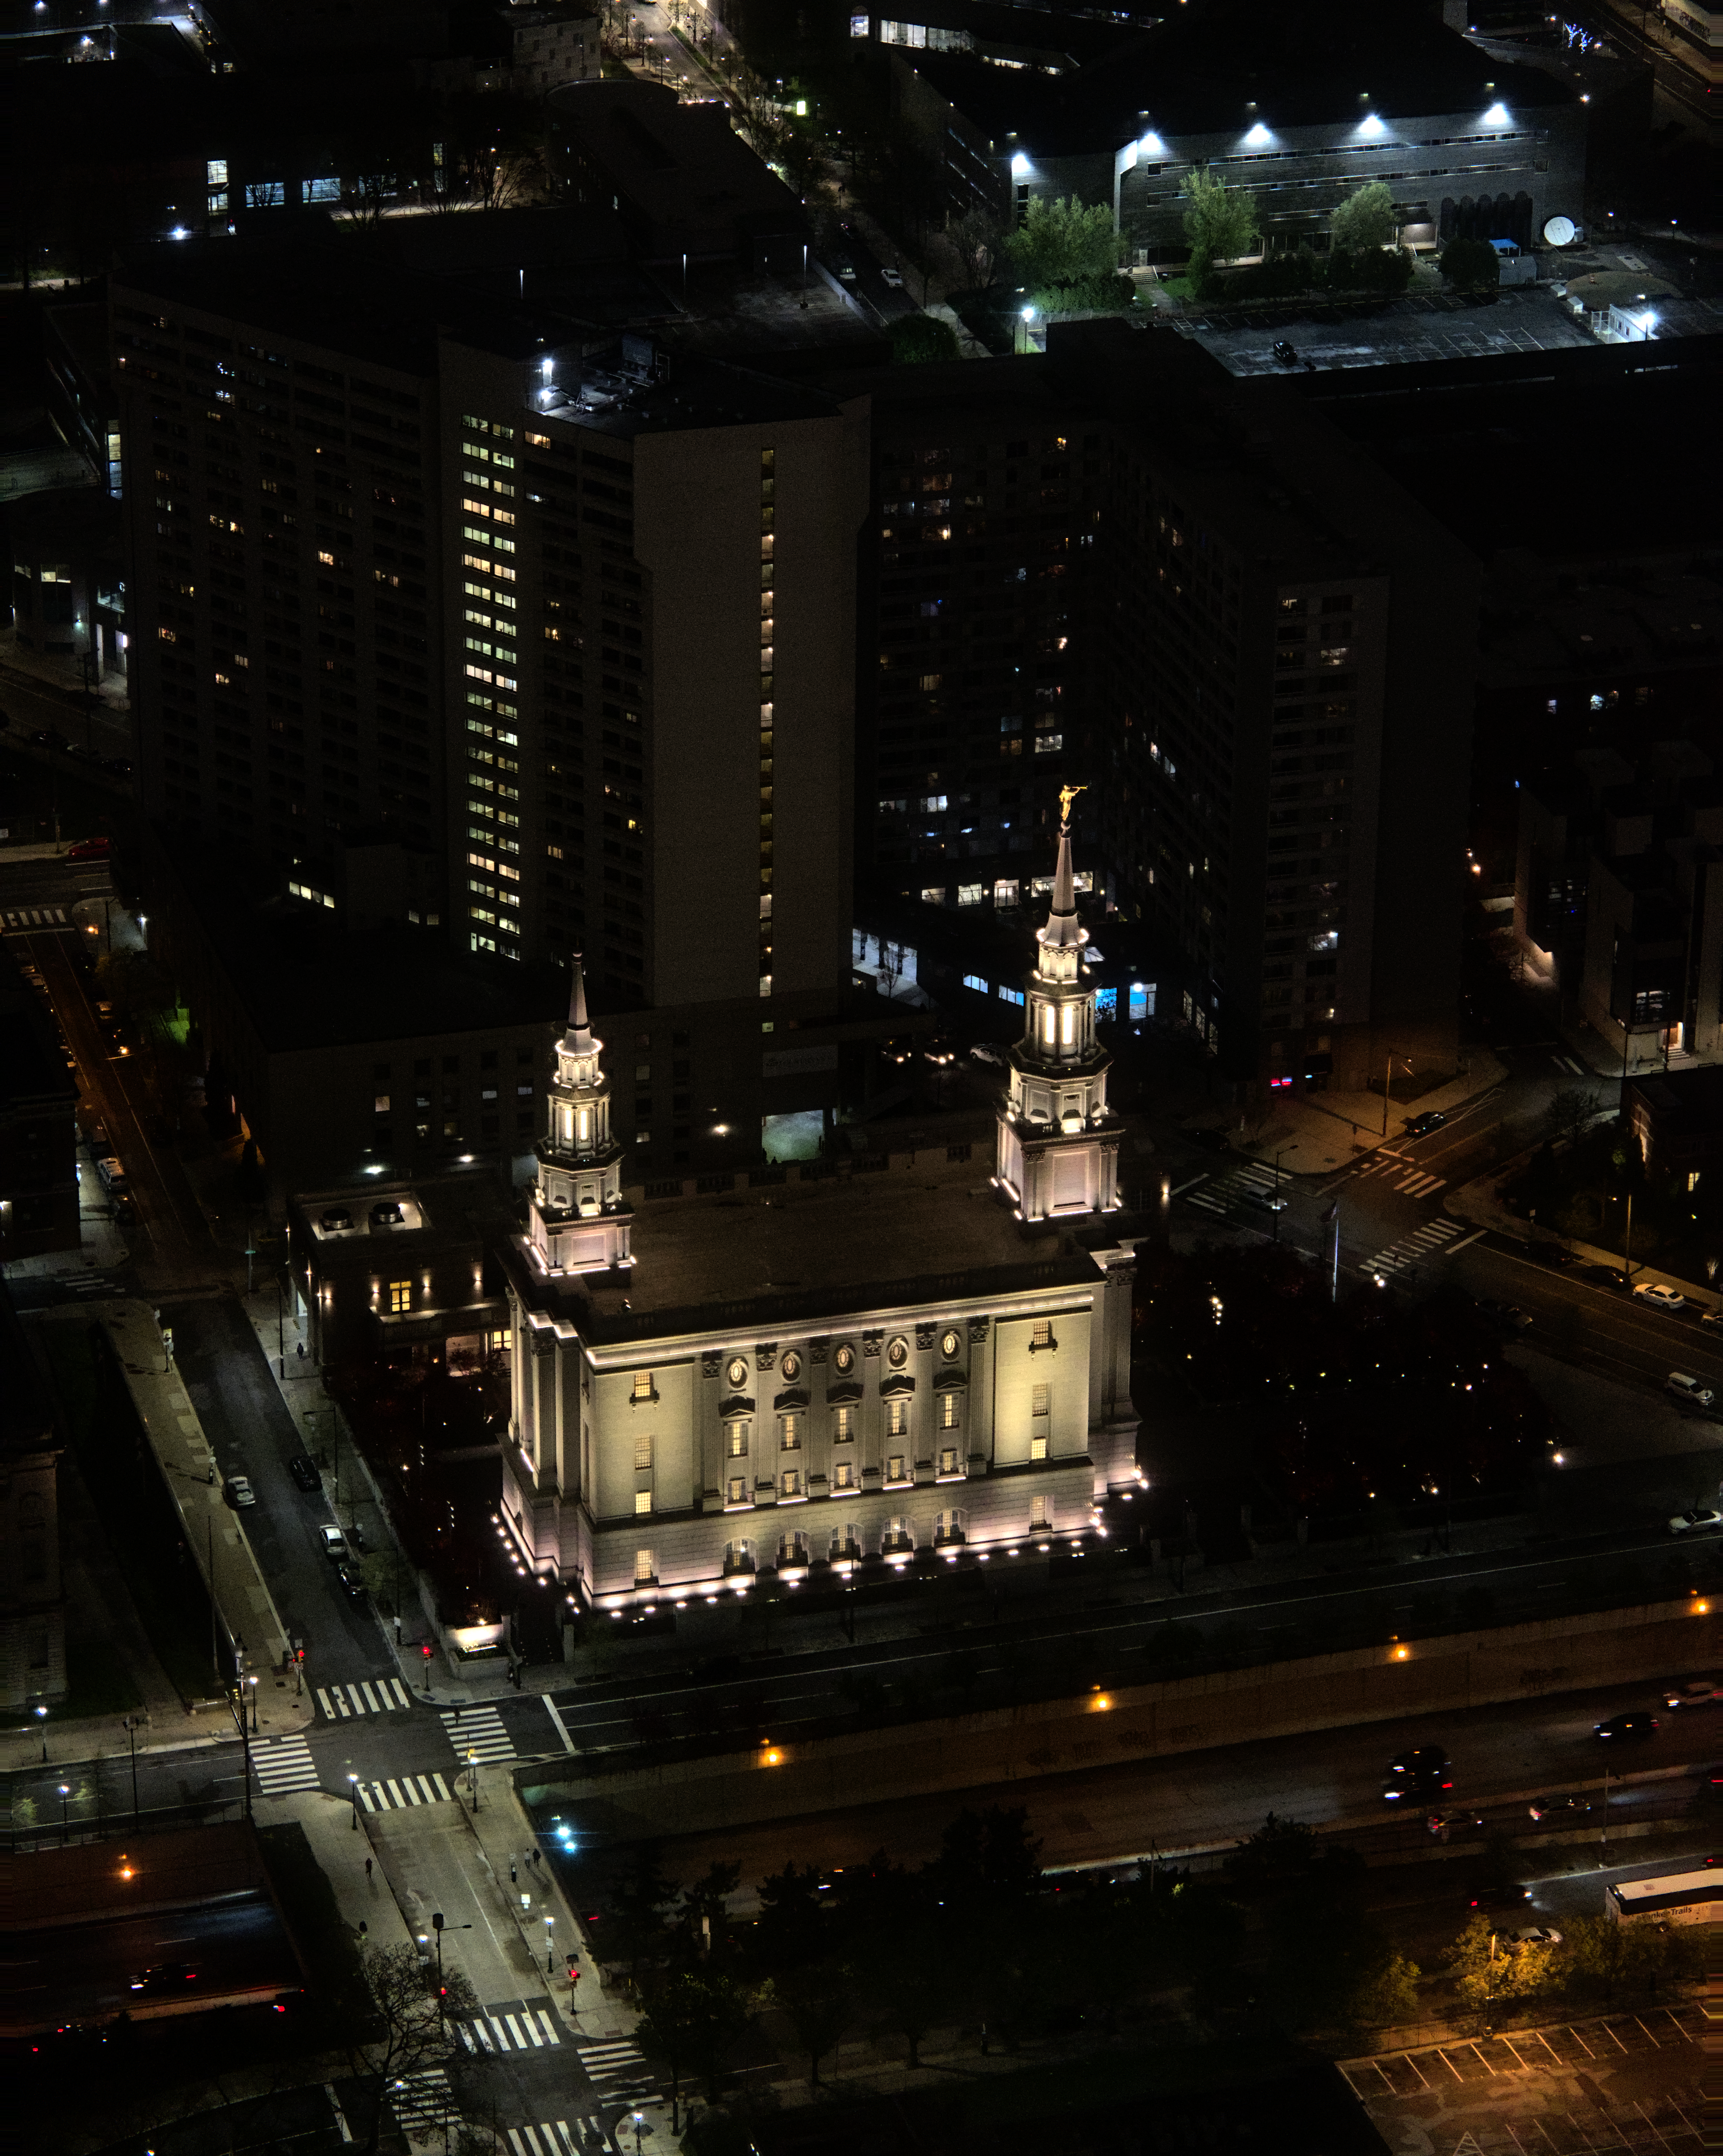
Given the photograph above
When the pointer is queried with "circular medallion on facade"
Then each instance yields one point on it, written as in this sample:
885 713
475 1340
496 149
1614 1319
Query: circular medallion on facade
737 1373
792 1367
897 1353
949 1346
845 1360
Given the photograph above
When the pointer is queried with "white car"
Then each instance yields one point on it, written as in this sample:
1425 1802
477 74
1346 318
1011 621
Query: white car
1701 1518
240 1493
334 1543
1691 1691
984 1052
1265 1201
894 277
1660 1297
1539 1935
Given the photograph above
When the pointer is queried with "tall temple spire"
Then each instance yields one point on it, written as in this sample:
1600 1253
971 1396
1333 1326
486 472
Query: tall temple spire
578 1040
1057 1145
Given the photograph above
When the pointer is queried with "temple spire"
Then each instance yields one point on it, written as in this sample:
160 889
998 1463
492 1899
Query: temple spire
578 1039
1062 928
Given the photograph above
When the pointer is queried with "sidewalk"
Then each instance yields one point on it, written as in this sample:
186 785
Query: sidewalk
1479 1203
340 1855
1316 1132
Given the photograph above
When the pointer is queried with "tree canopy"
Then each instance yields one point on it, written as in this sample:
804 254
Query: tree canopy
1471 265
1062 250
1366 218
1220 223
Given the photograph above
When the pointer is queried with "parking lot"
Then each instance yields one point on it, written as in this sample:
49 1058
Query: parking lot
1620 2082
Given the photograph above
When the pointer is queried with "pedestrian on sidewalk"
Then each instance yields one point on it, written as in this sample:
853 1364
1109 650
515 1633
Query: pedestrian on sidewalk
367 1870
513 1881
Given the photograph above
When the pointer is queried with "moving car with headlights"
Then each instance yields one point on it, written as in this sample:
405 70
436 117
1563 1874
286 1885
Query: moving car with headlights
1423 1771
1633 1725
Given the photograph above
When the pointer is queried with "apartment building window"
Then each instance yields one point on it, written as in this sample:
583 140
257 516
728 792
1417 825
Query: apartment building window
895 1468
948 1526
738 1490
791 1428
843 1476
1040 1515
948 1411
1041 1333
643 1385
1041 1400
643 1500
900 1536
948 1461
643 1453
739 1557
1037 1446
897 1418
735 1442
400 1296
791 1486
645 1567
843 1426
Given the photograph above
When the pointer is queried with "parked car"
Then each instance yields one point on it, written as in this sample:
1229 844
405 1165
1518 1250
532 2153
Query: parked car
1539 1935
90 850
1607 1277
334 1543
1634 1723
1507 1315
984 1051
1692 1692
1543 1808
1420 1126
1423 1771
304 1470
1660 1295
846 272
1552 1254
894 277
1713 1319
1700 1521
1285 352
1500 1898
1681 1385
240 1493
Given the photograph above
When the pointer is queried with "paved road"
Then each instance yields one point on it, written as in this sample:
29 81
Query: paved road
231 1948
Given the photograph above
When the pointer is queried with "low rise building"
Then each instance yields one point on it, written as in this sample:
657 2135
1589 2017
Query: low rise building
1676 1117
1470 145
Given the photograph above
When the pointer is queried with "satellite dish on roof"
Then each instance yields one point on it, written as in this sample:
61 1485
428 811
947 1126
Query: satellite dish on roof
1560 232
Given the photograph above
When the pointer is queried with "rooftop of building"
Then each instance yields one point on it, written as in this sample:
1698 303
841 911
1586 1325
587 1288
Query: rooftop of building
265 33
433 1210
812 1251
1691 1101
305 982
639 386
32 1068
26 1422
1236 65
676 164
1561 454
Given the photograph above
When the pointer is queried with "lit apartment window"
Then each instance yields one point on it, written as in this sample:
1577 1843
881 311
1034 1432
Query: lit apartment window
897 1418
642 1452
843 1476
643 1500
400 1296
738 1490
948 1461
645 1567
1040 1514
737 1443
1042 1334
895 1468
1041 1399
642 1385
1038 1448
793 1482
843 1426
948 1411
792 1427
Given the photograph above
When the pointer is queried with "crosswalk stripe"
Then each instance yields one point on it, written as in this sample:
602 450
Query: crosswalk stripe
370 1698
549 2027
323 1701
514 2029
405 1793
285 1768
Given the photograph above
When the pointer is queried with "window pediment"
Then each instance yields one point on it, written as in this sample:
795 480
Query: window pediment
897 1382
793 1400
949 1380
842 1395
735 1406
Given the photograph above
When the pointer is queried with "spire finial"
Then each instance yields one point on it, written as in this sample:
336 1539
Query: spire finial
578 1039
1062 916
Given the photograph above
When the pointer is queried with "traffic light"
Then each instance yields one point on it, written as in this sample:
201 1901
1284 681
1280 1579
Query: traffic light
425 1650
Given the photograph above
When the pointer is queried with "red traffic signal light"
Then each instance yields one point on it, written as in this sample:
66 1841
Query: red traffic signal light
300 1655
425 1650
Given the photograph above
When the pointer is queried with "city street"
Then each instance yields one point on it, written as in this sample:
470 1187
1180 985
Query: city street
213 1955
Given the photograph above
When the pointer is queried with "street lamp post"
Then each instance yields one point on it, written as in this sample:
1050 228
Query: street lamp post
473 1776
549 1965
65 1791
252 1681
353 1785
42 1718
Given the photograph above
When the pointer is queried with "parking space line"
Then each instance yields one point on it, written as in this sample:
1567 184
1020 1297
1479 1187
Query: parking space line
1450 2066
1620 2046
1652 2040
1581 2042
1482 2061
1651 2123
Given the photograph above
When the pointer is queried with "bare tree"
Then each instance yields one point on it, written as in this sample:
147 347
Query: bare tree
412 2028
972 246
